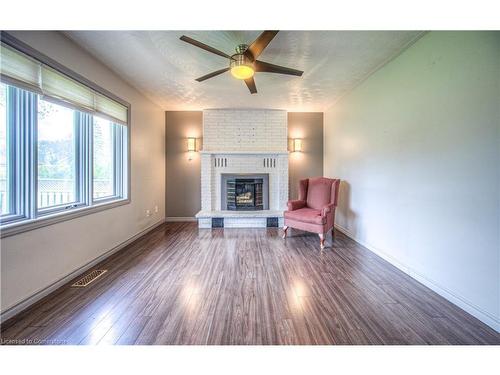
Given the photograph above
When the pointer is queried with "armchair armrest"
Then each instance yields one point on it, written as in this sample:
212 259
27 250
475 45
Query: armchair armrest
327 209
295 205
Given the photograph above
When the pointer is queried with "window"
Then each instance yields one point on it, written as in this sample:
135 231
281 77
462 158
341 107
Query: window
80 158
105 133
11 208
63 146
5 208
57 155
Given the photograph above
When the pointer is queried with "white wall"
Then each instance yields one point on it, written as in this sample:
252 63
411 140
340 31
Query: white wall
33 260
417 145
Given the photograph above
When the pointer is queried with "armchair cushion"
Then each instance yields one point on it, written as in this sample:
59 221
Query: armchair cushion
306 215
295 204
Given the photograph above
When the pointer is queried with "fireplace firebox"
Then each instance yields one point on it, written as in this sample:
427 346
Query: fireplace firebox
244 192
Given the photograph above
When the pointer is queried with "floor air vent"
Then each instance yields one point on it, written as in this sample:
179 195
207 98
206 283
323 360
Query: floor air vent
87 279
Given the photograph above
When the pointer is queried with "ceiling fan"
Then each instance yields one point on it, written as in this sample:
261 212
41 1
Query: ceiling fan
244 64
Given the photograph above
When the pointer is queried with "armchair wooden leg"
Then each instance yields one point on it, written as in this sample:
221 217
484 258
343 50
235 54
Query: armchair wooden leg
322 240
285 229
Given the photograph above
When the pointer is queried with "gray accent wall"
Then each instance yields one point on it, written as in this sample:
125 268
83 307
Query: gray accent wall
309 163
183 191
183 188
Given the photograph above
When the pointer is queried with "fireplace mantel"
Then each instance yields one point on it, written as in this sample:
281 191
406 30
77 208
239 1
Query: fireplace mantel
214 165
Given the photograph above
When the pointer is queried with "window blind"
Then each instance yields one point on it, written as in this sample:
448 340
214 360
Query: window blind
19 69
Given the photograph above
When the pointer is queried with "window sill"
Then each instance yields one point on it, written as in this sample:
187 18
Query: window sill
31 224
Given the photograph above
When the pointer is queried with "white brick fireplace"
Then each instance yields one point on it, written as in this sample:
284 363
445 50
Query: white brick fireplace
240 142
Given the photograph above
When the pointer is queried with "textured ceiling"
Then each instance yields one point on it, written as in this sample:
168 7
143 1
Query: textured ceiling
164 68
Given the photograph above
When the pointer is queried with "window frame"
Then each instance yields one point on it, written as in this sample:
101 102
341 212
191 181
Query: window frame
118 163
18 154
10 134
27 216
80 198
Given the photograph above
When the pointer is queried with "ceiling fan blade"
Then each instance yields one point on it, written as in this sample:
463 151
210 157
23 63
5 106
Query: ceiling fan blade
203 46
251 85
260 44
261 66
213 74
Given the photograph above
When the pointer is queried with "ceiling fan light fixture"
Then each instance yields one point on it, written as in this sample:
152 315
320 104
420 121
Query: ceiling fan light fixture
241 68
244 64
242 72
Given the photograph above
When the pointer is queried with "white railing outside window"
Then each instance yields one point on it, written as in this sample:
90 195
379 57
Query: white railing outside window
55 192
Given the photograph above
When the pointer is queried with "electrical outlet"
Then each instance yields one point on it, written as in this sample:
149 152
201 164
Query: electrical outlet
148 213
156 209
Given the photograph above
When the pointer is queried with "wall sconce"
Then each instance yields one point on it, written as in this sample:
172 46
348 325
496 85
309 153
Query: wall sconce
191 147
297 145
192 144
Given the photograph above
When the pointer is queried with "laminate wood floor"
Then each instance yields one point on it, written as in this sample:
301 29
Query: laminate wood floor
181 285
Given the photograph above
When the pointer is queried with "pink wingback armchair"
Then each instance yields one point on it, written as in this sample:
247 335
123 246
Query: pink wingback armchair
314 211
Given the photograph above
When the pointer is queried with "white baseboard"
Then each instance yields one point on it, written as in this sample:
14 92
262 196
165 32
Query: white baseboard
173 219
460 301
24 304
